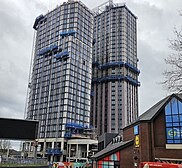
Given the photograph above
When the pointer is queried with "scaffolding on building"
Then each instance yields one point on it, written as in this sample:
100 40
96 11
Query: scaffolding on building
106 6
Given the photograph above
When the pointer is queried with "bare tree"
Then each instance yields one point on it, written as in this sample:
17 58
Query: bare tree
173 75
5 145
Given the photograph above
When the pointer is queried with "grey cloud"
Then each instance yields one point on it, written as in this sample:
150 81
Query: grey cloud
156 20
13 73
151 66
155 26
16 34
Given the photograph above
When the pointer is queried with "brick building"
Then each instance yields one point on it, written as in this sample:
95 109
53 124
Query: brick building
155 136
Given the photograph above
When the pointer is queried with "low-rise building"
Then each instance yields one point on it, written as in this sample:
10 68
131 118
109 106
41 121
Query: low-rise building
155 136
79 145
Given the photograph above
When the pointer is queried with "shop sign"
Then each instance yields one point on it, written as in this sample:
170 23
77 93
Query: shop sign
136 130
173 133
137 141
117 139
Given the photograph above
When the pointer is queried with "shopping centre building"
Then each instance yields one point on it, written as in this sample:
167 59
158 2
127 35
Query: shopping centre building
155 137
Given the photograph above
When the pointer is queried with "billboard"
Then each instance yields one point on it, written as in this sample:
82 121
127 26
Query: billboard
18 129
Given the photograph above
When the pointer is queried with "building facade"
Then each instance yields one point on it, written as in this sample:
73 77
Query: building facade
155 137
114 68
60 81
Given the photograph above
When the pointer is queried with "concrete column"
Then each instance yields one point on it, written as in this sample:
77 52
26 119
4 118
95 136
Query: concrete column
77 152
62 148
94 105
29 146
69 151
87 149
124 104
116 108
132 103
103 107
99 109
44 148
136 102
109 108
52 156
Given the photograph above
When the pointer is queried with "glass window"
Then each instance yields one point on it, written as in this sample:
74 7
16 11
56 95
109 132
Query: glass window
173 122
180 107
169 124
170 141
168 118
174 106
176 141
168 109
180 118
175 118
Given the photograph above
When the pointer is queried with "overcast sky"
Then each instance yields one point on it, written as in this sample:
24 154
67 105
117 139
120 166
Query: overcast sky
156 21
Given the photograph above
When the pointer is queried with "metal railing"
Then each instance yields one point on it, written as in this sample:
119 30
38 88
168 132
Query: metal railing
21 161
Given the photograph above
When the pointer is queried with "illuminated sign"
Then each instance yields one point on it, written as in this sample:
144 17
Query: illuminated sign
136 130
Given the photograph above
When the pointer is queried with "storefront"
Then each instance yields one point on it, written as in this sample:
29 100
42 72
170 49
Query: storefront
110 156
109 161
155 136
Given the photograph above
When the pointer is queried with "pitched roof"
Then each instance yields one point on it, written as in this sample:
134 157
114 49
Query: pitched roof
111 148
150 113
179 95
155 109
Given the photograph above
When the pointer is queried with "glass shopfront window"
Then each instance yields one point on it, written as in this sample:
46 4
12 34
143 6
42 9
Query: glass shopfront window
173 118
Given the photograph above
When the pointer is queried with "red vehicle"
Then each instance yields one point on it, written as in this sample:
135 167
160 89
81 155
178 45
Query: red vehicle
159 164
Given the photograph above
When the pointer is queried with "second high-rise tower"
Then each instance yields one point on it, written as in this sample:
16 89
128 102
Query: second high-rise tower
114 68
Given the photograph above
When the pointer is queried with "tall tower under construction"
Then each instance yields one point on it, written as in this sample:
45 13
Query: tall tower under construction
60 81
114 68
